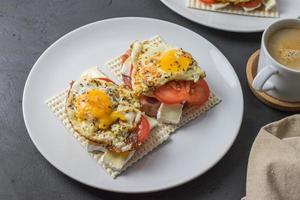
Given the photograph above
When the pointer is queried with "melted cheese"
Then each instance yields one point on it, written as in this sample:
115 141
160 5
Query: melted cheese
96 104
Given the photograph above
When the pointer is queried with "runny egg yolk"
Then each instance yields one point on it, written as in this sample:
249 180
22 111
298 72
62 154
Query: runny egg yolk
97 104
175 61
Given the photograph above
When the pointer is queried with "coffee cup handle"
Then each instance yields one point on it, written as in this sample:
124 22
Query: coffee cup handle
260 81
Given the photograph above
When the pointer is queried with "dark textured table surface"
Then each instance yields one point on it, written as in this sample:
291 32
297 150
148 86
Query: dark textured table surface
28 27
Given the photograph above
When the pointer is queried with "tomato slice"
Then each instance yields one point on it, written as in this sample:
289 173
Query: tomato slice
208 1
173 92
198 93
250 4
143 130
106 79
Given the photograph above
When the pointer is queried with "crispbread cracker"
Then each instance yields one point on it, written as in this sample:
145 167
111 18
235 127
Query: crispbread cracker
196 4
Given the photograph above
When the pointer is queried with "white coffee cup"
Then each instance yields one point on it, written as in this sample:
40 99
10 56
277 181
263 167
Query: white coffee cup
274 78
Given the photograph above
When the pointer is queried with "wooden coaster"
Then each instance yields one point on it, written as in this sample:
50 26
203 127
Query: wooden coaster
266 99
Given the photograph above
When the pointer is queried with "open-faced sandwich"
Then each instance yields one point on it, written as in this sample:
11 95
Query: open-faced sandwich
108 116
165 78
247 5
264 8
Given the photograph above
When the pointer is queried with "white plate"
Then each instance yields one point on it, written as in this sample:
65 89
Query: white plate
190 152
235 23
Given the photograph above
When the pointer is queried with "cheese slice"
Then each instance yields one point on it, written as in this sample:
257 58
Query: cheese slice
269 4
170 114
152 122
126 67
92 73
216 6
95 148
135 51
115 160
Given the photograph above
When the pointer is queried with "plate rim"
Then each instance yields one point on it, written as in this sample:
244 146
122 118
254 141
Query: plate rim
44 53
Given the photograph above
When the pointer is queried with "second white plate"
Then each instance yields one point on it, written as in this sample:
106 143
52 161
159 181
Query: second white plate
230 22
190 152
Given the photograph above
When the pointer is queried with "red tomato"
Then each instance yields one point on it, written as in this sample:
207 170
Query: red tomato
250 4
173 92
209 1
107 80
143 130
198 93
127 80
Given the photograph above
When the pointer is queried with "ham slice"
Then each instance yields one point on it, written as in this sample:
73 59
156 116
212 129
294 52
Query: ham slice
149 105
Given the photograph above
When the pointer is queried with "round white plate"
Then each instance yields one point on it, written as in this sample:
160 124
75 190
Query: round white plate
189 153
234 23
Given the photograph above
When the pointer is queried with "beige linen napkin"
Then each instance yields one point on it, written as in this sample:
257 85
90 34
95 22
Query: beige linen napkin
274 162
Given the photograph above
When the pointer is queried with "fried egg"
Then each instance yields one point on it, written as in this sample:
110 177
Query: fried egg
156 63
104 113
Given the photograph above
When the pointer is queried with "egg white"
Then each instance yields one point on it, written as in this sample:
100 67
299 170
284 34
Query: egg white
116 136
